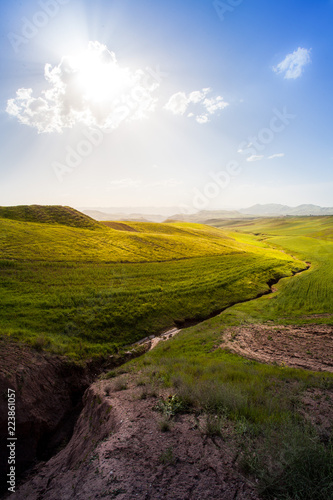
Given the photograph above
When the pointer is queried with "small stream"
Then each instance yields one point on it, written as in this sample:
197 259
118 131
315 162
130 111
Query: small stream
47 442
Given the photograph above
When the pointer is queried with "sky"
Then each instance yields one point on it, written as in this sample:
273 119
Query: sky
196 104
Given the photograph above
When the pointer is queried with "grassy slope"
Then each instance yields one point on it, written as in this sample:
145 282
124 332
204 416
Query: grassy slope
309 295
82 292
78 301
152 242
276 447
49 214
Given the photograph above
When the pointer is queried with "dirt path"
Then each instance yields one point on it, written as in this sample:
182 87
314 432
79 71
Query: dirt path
309 346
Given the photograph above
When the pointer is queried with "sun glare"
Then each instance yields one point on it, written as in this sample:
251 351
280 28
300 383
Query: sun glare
99 77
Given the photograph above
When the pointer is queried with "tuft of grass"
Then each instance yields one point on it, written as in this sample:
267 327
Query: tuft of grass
110 374
40 343
120 384
302 470
108 390
213 425
165 425
167 457
144 393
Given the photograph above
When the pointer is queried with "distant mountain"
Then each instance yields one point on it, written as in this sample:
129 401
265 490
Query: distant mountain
103 216
145 212
273 209
269 210
49 214
207 216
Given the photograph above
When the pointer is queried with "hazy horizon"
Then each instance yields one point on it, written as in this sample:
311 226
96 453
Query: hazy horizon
193 106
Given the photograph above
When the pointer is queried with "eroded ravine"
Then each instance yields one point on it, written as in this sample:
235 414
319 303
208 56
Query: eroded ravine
50 389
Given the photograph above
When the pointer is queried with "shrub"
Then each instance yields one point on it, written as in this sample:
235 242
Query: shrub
170 406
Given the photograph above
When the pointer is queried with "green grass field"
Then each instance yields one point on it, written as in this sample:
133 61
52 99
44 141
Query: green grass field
80 240
258 407
82 289
302 299
84 292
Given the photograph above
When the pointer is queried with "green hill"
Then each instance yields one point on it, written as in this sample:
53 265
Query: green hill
81 292
130 242
51 214
306 296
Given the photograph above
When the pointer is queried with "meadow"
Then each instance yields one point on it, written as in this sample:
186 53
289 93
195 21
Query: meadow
79 288
89 292
255 407
308 297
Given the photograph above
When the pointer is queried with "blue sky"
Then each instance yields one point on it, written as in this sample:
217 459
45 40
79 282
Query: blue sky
192 104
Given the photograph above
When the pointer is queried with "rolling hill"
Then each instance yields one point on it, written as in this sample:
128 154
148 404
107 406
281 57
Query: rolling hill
63 234
83 292
50 214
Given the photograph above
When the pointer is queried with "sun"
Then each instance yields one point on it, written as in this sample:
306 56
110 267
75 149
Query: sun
98 74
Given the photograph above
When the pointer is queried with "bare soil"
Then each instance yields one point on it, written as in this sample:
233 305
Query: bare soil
49 392
118 450
309 346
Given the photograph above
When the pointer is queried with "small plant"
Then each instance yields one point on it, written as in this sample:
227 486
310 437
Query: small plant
117 492
143 394
170 406
213 426
167 457
120 384
107 390
164 425
241 427
40 343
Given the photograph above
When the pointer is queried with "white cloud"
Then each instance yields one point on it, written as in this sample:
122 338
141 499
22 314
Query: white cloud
255 158
293 64
204 106
90 88
178 103
202 119
213 105
196 96
277 155
242 150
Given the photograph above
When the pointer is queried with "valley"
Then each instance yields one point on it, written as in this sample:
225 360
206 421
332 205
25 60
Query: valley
248 378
